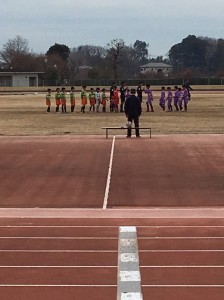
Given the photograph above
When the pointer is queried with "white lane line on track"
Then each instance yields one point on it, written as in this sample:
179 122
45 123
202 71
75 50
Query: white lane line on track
104 226
106 196
178 251
182 238
56 238
108 238
58 285
182 285
54 267
80 285
104 266
187 267
59 251
107 251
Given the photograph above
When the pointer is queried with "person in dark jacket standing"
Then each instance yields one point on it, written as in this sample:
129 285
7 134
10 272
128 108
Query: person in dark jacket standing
132 108
140 90
111 97
122 96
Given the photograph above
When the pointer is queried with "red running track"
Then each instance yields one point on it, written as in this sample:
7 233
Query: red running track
180 268
59 172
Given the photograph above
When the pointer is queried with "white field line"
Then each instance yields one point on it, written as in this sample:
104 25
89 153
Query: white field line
106 196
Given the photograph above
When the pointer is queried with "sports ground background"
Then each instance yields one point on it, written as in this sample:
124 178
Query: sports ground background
64 199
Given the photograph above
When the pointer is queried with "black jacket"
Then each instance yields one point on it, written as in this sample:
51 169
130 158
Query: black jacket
132 106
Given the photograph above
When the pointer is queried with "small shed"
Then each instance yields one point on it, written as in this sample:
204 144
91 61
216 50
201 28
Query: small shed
20 79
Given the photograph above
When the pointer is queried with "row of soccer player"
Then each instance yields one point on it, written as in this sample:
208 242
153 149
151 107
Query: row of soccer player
179 98
97 98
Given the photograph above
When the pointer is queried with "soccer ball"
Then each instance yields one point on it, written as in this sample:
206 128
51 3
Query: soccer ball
35 93
128 124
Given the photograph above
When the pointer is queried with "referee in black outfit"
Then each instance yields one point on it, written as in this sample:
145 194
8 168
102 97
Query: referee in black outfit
132 108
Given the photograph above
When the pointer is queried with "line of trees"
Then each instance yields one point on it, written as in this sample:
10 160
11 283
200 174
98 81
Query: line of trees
193 56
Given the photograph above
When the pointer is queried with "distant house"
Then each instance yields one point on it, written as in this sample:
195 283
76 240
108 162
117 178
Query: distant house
156 68
84 67
20 79
83 72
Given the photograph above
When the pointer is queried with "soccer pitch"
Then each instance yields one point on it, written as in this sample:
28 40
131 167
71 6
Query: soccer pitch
26 115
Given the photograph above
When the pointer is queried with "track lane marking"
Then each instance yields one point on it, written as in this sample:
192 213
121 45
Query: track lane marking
58 285
54 267
104 226
105 238
182 285
200 267
106 196
60 251
56 238
192 250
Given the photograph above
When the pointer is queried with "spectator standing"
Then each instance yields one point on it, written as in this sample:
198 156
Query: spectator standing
132 108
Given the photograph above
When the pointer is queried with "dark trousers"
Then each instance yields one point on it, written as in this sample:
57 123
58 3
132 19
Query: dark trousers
136 122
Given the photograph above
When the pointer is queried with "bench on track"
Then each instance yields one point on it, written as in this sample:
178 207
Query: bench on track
126 128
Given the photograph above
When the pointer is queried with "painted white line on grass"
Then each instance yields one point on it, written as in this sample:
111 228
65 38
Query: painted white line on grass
106 196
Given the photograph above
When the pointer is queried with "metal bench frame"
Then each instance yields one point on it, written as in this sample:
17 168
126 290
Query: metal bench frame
126 128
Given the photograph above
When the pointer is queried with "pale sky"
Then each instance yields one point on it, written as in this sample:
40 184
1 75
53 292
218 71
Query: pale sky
161 23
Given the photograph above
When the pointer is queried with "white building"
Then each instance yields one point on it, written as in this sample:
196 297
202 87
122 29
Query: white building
156 68
19 79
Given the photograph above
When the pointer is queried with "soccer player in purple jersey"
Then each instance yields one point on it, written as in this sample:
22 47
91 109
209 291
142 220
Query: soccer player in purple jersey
175 98
185 97
149 100
169 99
162 99
180 99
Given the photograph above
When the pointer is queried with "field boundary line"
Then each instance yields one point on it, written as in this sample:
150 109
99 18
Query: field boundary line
106 196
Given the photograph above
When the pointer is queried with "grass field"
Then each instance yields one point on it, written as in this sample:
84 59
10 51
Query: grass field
25 115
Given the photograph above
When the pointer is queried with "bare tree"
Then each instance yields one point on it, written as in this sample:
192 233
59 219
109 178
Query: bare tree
13 48
114 52
74 63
